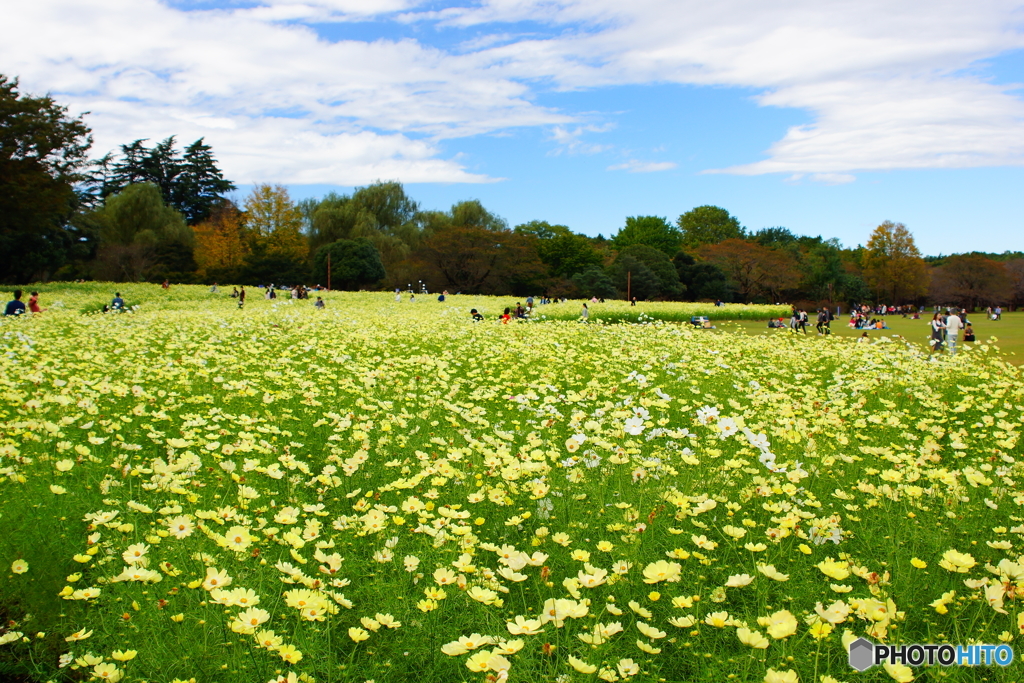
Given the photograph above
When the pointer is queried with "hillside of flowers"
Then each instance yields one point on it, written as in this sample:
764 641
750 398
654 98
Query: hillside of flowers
387 492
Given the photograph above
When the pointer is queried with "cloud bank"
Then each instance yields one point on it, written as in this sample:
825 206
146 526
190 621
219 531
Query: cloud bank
887 85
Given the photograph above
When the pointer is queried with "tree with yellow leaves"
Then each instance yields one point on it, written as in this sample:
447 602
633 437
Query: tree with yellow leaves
221 245
278 249
893 266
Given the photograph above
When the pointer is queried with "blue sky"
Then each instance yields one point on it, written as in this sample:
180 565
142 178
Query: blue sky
579 112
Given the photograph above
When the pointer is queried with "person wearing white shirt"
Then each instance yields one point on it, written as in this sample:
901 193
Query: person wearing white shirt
953 326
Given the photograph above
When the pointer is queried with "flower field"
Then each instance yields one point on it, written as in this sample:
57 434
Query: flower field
389 492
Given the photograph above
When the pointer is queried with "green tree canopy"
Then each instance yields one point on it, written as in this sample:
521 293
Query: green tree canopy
594 281
191 182
666 282
380 212
564 252
702 280
652 231
138 215
708 225
142 237
42 156
354 263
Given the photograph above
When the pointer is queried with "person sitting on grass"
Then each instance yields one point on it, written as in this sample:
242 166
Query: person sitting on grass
118 303
15 306
475 315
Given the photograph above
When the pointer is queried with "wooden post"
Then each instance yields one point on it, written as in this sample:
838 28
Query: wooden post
328 271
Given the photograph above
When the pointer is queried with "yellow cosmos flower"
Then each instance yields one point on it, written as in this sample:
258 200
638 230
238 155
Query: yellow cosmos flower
662 571
955 561
787 676
581 666
752 639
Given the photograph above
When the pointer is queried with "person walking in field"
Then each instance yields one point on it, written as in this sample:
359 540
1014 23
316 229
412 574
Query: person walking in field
938 332
585 313
241 297
953 326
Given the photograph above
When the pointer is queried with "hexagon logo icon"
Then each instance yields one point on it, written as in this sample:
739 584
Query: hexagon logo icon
862 654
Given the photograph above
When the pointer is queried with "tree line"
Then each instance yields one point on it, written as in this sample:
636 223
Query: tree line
154 212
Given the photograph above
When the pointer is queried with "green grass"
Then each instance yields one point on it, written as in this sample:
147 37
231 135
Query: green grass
1009 332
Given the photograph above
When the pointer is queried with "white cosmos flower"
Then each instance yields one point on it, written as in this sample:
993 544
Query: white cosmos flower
634 426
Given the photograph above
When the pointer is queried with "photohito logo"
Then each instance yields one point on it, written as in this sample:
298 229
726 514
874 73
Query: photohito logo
864 654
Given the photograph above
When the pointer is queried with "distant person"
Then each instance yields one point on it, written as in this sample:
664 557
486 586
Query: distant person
118 303
938 332
968 333
585 313
633 301
440 298
234 292
16 306
166 284
953 326
506 316
475 315
398 295
33 303
412 297
998 313
319 302
241 297
864 338
801 320
214 290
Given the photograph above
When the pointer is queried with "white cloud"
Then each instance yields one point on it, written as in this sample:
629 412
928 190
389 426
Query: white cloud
569 140
277 103
888 84
636 166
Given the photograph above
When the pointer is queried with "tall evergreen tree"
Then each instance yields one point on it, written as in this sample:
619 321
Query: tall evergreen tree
200 183
192 184
42 154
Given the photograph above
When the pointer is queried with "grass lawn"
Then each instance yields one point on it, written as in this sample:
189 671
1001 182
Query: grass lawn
1009 331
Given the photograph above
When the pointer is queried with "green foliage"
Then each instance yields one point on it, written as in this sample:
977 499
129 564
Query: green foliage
652 231
643 262
191 182
42 155
708 225
594 281
141 237
354 264
138 215
380 212
564 252
703 281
